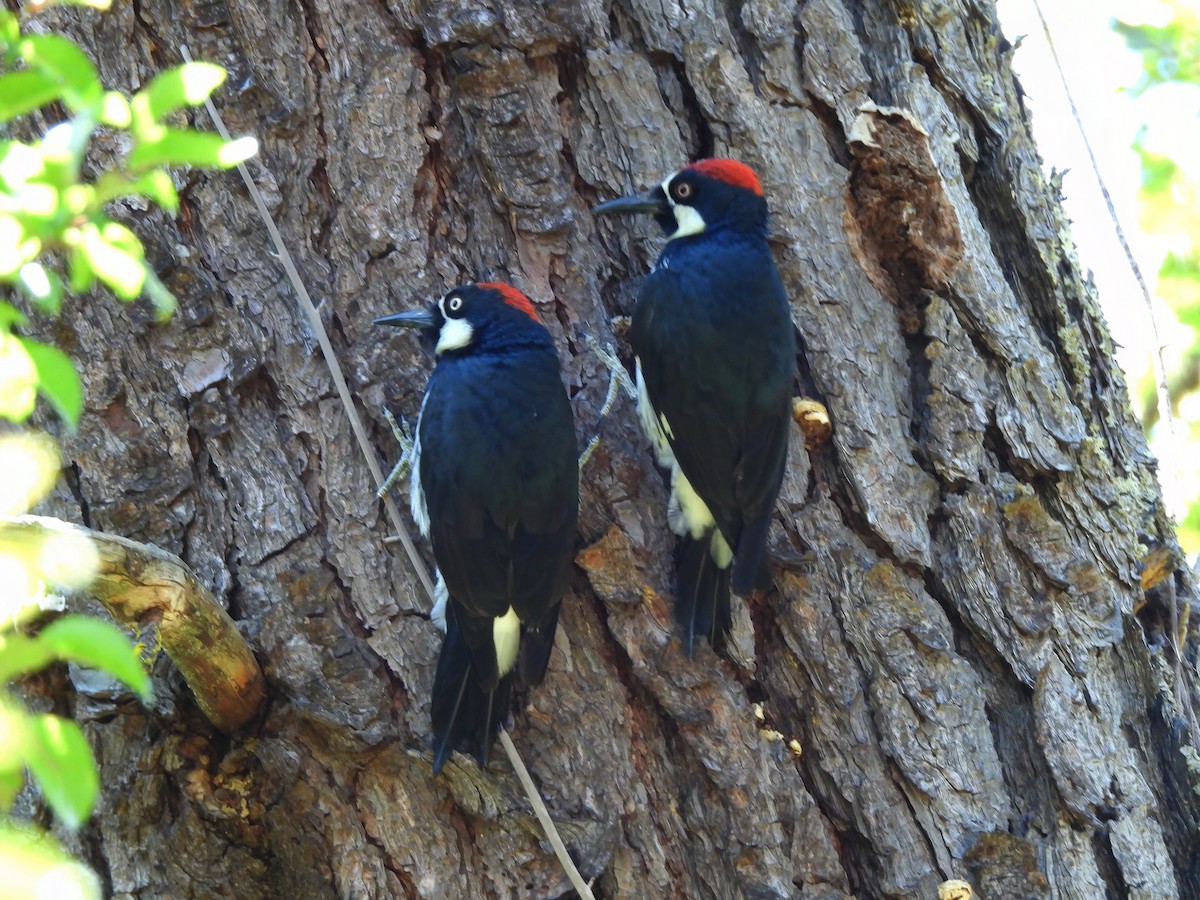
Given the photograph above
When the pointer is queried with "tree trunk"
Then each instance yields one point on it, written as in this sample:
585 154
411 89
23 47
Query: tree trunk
960 674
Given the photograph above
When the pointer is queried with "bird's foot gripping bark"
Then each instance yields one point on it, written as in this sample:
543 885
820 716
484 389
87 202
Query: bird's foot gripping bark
618 380
403 436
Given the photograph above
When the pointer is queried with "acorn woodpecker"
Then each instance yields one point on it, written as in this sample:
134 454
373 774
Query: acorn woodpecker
495 488
715 351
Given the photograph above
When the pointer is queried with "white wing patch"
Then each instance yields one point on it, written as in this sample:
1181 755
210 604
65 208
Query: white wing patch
441 596
506 636
655 426
416 492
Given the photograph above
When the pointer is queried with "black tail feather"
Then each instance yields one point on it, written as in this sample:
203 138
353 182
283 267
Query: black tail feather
751 567
701 594
536 644
463 713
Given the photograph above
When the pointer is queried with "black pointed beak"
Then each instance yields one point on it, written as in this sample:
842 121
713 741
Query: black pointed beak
416 318
650 202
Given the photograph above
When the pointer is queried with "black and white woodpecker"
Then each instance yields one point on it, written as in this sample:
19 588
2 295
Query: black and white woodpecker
715 351
495 488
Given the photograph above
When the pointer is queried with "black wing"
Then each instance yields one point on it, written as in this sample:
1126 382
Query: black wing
502 513
719 369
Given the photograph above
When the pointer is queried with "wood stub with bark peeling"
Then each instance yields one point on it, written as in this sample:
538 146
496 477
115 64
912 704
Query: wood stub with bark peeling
147 588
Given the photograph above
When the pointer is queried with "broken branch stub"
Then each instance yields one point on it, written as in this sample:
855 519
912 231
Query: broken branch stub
143 585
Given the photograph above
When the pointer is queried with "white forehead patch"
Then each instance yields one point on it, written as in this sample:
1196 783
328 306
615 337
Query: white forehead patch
686 217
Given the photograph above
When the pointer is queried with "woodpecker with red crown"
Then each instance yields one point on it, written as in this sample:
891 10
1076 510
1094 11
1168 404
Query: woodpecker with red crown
495 488
715 352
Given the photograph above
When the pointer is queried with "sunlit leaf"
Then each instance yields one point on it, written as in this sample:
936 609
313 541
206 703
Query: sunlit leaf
66 64
58 381
43 286
30 463
22 92
187 85
10 30
119 269
179 147
99 644
116 110
18 380
93 4
60 759
18 163
12 237
38 201
35 865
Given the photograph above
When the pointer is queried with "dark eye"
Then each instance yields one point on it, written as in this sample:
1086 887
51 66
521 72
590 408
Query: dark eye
454 304
682 190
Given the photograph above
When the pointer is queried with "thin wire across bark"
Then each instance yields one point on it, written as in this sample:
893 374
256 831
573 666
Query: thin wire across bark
335 369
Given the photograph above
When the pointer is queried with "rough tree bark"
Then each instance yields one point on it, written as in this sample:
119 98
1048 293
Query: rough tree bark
959 642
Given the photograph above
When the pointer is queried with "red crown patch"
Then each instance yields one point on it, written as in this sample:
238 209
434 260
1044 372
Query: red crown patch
730 171
512 297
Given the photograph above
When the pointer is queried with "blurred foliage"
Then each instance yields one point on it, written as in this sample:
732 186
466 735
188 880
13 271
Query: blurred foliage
1170 209
50 212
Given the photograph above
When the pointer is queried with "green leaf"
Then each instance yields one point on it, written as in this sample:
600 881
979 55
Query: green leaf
82 275
157 185
58 381
185 147
12 241
99 644
160 295
10 316
10 30
43 286
66 64
11 782
60 758
187 85
22 655
22 92
119 269
12 756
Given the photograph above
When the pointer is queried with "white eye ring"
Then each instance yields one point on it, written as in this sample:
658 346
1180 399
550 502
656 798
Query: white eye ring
454 304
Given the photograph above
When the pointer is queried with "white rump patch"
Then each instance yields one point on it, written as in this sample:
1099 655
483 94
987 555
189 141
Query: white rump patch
506 635
720 550
455 334
686 512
